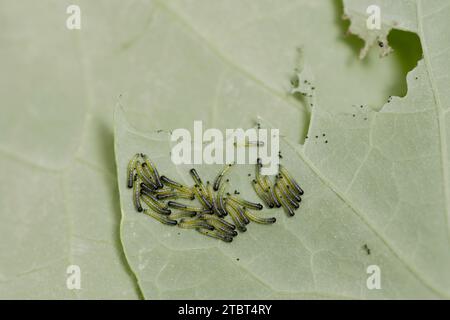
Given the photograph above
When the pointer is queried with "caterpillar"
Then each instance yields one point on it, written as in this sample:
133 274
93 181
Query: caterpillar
220 177
130 170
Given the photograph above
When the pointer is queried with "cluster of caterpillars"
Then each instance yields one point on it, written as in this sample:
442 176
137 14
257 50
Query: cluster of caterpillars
284 192
155 196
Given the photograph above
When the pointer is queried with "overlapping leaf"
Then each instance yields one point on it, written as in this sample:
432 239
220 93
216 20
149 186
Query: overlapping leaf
380 180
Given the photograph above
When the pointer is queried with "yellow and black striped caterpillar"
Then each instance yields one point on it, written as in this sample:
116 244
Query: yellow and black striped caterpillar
157 197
